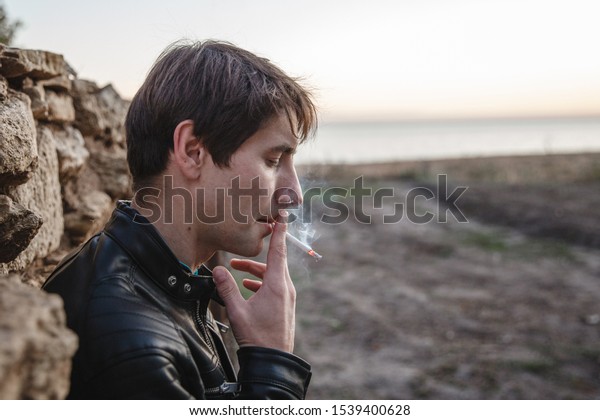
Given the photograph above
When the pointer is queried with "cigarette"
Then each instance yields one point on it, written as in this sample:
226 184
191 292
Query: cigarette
305 247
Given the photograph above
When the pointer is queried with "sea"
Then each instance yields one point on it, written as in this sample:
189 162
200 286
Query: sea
371 142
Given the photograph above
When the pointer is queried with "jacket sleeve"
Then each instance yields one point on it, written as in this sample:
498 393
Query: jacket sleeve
272 374
148 376
264 374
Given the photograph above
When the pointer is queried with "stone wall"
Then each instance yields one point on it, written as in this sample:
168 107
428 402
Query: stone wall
62 166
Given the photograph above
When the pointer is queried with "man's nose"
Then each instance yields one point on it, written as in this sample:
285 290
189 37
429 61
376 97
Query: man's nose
290 191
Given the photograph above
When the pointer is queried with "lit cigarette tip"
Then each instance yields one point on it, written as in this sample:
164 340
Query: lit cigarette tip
315 255
305 247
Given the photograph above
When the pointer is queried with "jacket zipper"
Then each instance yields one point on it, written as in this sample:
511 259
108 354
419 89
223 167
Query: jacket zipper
224 388
201 322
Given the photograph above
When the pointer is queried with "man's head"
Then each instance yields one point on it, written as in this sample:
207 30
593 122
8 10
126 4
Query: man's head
228 93
209 120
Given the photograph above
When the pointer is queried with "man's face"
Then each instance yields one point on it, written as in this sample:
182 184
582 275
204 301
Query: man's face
260 180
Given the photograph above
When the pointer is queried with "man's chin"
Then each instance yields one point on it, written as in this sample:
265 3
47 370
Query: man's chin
248 242
248 253
247 248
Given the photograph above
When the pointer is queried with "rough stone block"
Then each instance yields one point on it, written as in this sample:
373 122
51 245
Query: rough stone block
60 107
100 111
36 346
37 95
60 83
18 226
72 153
33 63
87 180
94 209
18 148
42 195
3 88
110 163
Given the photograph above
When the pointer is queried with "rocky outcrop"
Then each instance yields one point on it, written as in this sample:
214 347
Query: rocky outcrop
36 346
18 154
54 129
62 166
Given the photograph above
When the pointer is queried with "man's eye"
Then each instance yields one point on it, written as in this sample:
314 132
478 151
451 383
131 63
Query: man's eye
273 162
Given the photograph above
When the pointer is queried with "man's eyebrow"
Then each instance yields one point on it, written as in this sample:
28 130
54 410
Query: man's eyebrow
283 148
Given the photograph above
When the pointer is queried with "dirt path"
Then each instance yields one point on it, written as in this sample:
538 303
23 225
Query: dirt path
448 310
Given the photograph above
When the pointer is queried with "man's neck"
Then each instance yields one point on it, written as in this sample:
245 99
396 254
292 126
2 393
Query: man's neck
179 237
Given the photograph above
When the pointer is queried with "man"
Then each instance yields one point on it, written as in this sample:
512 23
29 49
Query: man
211 136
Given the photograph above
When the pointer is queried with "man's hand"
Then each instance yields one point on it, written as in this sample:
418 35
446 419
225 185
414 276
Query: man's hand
267 318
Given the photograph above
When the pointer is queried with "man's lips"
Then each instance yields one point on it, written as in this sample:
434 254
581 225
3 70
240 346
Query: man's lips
269 224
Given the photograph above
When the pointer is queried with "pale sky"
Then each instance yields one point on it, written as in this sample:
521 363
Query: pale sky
367 60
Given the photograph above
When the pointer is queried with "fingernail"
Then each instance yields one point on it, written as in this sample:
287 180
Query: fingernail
218 274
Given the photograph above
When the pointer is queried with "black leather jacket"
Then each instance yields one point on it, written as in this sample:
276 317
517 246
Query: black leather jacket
144 327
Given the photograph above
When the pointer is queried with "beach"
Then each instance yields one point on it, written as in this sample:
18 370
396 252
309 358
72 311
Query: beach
502 306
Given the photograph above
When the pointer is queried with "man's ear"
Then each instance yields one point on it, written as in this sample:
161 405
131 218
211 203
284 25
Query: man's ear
188 151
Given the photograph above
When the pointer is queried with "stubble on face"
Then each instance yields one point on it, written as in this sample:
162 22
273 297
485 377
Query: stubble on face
259 169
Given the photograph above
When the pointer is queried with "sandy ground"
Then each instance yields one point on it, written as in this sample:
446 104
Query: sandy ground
491 309
504 306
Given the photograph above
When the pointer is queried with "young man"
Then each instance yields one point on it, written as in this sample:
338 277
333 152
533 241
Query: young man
211 136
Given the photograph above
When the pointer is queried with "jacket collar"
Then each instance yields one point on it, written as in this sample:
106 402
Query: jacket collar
136 235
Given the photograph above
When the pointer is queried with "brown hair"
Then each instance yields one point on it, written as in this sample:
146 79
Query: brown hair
228 93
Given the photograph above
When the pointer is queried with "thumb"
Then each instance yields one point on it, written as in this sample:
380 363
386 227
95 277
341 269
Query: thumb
226 286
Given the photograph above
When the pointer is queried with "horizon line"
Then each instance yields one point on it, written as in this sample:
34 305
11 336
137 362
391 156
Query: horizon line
466 118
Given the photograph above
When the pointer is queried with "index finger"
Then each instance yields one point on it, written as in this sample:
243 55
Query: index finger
253 267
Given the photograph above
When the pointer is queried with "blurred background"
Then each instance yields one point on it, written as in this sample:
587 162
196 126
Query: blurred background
503 97
395 80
